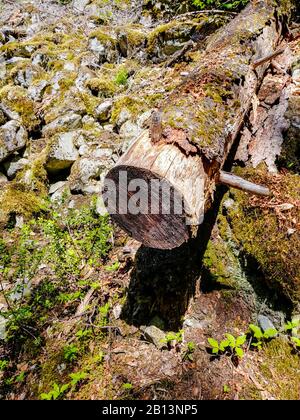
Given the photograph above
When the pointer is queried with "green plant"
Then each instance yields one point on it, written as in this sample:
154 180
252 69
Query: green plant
70 353
127 386
260 336
77 377
114 267
20 377
188 354
229 5
83 334
121 77
173 337
56 392
226 389
3 365
296 342
290 325
230 345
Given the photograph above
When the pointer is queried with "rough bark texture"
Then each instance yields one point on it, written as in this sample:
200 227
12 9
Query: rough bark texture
201 119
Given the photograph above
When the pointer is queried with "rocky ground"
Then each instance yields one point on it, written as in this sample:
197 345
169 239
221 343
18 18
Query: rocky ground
88 313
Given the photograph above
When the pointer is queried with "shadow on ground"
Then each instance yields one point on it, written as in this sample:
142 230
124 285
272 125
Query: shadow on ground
163 282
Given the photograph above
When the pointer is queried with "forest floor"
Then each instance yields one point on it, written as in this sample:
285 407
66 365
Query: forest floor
86 311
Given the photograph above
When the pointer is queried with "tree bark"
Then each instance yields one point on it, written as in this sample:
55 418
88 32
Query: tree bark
200 120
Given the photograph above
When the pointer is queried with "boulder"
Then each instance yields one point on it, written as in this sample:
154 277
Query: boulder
14 166
69 121
62 153
85 170
103 111
13 137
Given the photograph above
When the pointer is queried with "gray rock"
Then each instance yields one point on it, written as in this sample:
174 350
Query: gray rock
265 323
61 193
117 310
3 322
103 111
14 166
3 179
155 336
129 132
63 152
13 137
84 170
229 203
124 116
80 5
57 186
143 118
97 47
100 207
69 121
36 91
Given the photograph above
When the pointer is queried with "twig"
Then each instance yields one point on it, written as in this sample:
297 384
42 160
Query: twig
269 57
207 12
234 181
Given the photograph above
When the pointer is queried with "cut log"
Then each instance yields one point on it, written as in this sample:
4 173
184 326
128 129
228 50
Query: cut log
200 121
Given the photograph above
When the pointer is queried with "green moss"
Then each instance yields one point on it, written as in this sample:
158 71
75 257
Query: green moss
104 36
261 230
280 370
18 199
16 99
103 86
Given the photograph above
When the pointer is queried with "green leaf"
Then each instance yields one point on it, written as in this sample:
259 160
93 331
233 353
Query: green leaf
270 333
215 350
224 344
240 340
213 342
296 341
257 332
231 340
239 352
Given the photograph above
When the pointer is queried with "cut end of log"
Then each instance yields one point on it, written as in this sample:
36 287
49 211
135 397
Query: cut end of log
156 223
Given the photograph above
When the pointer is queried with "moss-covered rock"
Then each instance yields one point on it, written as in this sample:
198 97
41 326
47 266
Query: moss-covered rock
267 230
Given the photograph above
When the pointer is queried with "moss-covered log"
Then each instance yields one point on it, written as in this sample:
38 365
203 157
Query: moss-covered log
200 120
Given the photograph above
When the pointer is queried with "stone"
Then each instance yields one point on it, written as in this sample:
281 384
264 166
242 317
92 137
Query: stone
80 5
62 193
143 118
265 323
63 152
13 137
155 336
117 310
129 132
56 186
36 91
85 170
124 116
100 207
103 111
3 323
69 121
3 179
97 47
14 166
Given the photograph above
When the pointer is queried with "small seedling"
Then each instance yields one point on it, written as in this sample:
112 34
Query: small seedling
127 386
188 354
226 389
56 392
77 377
230 345
3 365
70 353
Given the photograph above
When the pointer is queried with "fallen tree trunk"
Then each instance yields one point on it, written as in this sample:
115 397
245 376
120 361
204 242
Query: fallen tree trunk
196 127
